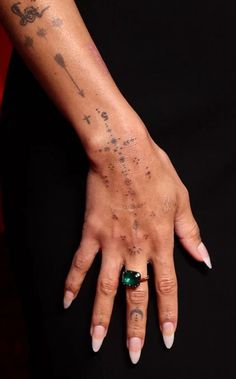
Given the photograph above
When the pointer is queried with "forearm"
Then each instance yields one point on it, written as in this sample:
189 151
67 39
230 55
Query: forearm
56 45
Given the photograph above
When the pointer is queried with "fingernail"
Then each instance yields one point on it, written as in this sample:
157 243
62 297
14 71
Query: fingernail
204 254
98 337
168 333
135 345
68 298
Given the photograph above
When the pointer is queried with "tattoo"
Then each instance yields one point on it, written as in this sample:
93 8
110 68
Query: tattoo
123 238
135 314
28 42
41 32
134 250
105 180
61 62
111 166
114 141
136 160
148 173
128 141
29 14
87 119
135 225
57 22
104 115
128 181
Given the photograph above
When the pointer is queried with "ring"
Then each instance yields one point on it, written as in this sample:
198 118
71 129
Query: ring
132 278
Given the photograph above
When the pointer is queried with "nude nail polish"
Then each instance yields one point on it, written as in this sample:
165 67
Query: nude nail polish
68 298
98 337
168 334
204 254
135 345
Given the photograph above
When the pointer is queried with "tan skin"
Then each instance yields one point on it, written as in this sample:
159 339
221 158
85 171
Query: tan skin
135 199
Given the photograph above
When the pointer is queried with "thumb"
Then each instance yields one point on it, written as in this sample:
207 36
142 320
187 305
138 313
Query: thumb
188 232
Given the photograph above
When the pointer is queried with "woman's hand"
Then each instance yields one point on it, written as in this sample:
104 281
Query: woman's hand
135 202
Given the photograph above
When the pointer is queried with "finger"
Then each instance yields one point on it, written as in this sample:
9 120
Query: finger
81 263
166 285
107 284
188 232
137 300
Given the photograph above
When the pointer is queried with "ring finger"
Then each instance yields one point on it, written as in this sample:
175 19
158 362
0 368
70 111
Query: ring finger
137 301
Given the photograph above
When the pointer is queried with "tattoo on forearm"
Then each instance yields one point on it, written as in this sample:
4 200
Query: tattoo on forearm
57 22
61 62
136 314
41 32
28 42
29 14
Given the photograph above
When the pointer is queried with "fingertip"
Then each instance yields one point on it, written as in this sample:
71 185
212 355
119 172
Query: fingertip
68 298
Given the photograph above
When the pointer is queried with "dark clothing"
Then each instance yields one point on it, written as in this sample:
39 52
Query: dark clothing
175 62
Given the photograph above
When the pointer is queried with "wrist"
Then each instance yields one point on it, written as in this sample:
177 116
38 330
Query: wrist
107 126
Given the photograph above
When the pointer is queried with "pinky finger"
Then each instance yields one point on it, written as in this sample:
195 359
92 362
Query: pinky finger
81 263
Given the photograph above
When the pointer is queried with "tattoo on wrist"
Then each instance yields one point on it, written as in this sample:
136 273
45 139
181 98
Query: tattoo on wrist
61 62
29 14
87 119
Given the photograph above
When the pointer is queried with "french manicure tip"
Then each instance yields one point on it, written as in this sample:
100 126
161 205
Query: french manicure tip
134 356
168 340
96 344
68 298
207 261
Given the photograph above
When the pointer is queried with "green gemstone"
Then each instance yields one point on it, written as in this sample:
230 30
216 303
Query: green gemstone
131 278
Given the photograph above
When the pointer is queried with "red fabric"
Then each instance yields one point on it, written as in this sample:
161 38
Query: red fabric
5 54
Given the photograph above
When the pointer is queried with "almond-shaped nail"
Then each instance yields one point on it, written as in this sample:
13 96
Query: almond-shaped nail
134 345
168 333
204 254
98 337
68 298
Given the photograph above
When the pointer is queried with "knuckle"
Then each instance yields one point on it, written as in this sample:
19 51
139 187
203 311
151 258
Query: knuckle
81 263
167 286
135 330
194 231
92 224
137 296
107 286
